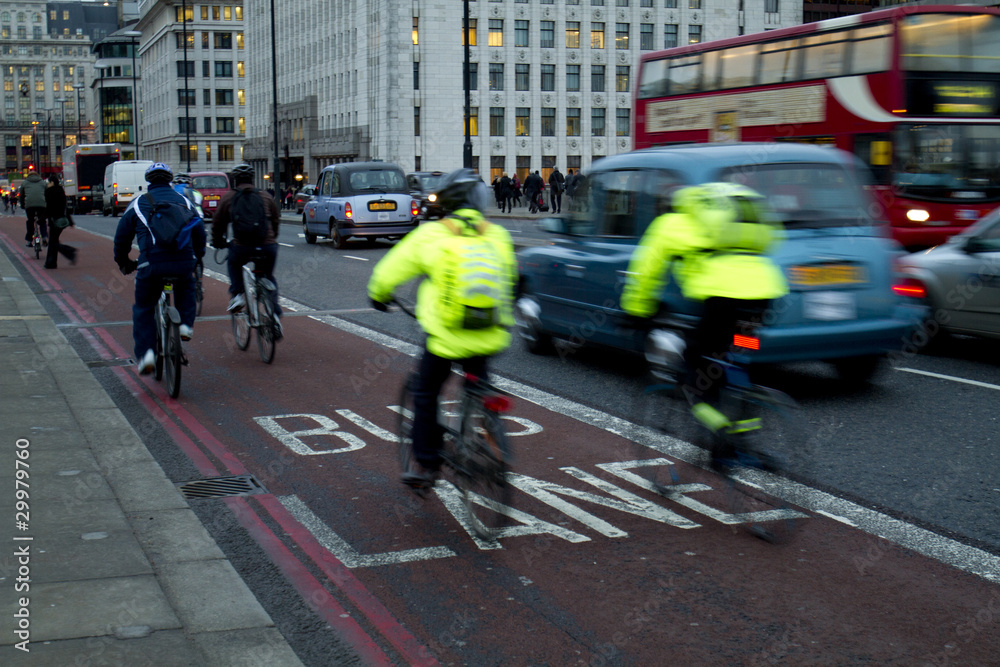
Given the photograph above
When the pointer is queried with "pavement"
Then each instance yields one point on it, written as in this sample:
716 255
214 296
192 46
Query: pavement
105 561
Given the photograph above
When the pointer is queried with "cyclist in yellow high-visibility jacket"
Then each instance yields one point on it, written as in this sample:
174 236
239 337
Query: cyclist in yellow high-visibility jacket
715 241
422 252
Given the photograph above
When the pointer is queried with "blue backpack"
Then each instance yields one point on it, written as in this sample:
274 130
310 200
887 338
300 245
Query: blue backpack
170 223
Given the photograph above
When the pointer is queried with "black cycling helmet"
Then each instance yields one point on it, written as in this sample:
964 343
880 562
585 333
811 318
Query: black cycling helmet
243 173
183 178
461 188
159 173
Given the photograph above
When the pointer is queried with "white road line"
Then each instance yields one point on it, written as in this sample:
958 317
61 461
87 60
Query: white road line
939 376
287 245
360 259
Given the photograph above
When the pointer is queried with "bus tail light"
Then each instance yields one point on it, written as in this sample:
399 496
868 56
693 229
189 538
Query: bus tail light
348 213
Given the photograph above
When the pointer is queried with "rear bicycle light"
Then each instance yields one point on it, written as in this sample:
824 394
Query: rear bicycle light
498 403
746 342
910 287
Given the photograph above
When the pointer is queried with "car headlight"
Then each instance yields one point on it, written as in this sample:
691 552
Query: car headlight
917 215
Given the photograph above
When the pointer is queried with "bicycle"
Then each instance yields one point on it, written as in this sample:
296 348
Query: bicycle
258 313
199 288
36 239
169 351
475 449
664 408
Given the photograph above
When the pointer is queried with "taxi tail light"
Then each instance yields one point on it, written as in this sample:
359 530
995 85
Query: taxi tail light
348 213
498 403
746 342
910 287
414 208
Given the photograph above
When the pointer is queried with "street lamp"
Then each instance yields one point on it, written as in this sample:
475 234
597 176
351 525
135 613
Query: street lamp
62 121
274 92
35 152
48 136
467 146
79 110
135 99
187 91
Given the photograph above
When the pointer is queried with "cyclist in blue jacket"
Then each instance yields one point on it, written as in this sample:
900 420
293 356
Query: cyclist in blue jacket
157 261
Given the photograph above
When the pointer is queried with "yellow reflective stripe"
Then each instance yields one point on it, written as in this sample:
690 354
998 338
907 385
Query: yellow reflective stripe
744 425
709 416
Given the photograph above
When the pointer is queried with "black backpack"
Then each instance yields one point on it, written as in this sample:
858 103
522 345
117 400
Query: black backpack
170 224
249 217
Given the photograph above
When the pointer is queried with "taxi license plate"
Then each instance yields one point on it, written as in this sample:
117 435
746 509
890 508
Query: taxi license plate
381 206
823 275
829 306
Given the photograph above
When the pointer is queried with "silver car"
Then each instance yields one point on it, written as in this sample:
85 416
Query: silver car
961 280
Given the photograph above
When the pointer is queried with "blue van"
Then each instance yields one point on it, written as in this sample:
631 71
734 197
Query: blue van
838 256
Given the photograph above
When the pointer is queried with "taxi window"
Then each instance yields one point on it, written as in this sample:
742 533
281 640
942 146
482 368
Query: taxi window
325 184
615 198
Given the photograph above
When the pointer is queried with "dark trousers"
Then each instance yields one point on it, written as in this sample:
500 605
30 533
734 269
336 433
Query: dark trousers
56 248
148 287
264 259
556 202
432 373
35 213
711 341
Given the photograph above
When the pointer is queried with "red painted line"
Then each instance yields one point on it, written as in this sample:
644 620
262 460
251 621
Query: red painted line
408 646
312 591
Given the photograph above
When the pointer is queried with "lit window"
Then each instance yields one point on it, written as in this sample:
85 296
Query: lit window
416 34
239 40
597 35
473 121
522 122
240 68
227 13
572 122
496 32
239 13
622 78
694 34
572 34
472 33
621 36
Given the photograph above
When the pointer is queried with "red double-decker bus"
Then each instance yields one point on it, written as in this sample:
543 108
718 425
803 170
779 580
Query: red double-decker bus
913 91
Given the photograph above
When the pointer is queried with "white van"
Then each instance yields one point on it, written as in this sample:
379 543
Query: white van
124 180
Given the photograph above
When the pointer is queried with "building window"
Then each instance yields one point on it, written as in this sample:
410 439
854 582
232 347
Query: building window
497 166
473 121
622 122
416 121
205 40
223 40
227 13
646 36
215 13
496 32
473 76
771 6
496 121
226 153
621 36
239 40
225 125
621 78
548 77
522 122
204 12
573 78
471 33
181 69
547 35
621 3
597 35
645 3
208 125
548 122
522 33
206 69
238 12
597 78
416 76
224 98
243 125
694 34
597 122
572 34
185 97
180 16
186 125
180 39
522 77
694 4
573 122
670 4
416 31
496 76
189 153
669 35
240 69
206 97
224 68
596 3
241 97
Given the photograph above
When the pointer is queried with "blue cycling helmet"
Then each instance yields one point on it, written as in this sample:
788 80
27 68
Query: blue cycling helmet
159 173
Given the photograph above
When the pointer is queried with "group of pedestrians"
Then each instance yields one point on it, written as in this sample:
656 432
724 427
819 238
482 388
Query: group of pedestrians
44 203
508 191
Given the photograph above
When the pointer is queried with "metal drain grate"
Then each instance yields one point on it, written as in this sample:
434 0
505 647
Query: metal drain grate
221 487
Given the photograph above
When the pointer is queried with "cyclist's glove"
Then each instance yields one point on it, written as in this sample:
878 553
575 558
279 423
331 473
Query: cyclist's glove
379 306
128 266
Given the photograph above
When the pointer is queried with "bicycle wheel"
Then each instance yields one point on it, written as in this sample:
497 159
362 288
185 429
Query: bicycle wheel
659 414
241 328
780 446
158 351
481 469
172 360
38 247
199 288
265 326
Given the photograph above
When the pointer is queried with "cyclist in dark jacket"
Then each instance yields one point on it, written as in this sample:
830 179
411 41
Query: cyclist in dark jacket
32 195
155 263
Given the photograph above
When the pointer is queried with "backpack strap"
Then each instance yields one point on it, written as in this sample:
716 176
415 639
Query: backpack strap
455 229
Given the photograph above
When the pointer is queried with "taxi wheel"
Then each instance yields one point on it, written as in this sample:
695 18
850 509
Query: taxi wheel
339 240
310 237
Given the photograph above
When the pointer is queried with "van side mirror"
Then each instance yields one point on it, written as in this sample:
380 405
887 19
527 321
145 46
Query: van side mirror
553 225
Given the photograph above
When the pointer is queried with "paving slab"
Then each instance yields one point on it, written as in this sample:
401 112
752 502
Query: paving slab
174 536
256 647
163 648
209 596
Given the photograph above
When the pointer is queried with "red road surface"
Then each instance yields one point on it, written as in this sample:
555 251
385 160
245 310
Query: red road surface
630 578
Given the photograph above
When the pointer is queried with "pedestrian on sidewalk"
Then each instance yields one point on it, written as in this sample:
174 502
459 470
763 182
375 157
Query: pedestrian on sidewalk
515 190
32 195
556 185
533 185
505 194
59 220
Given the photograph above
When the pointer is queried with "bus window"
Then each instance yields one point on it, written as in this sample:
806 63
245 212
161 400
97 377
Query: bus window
875 150
710 70
871 49
780 62
950 43
739 66
653 80
683 75
823 56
